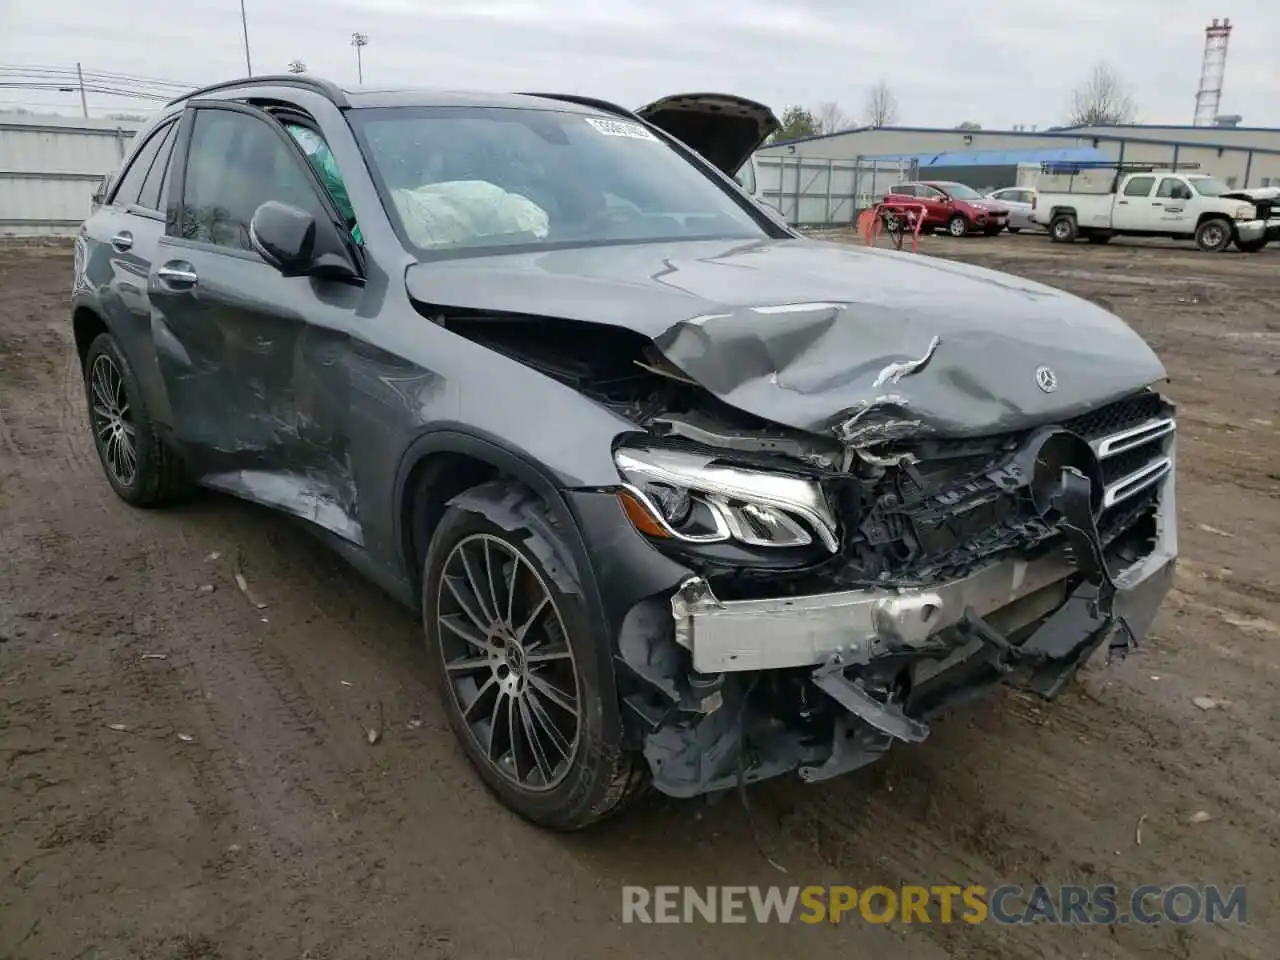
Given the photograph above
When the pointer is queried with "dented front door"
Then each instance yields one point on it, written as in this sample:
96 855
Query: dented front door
252 361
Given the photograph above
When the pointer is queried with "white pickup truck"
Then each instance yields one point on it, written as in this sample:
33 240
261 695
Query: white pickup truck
1154 203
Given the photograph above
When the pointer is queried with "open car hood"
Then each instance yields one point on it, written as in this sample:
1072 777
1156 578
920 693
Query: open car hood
723 128
864 344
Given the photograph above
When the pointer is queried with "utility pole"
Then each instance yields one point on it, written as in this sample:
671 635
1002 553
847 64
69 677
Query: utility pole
244 25
359 40
84 102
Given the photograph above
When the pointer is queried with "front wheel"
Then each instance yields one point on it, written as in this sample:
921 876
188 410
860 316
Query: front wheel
957 226
141 468
1251 246
509 641
1213 236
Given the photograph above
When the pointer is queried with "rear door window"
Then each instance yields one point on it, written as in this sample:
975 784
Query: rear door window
151 195
131 183
1139 187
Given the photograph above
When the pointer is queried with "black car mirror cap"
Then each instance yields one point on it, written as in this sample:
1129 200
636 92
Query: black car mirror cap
296 244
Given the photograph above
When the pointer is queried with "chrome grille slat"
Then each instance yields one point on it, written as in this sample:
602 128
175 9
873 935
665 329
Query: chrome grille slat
1134 437
1136 482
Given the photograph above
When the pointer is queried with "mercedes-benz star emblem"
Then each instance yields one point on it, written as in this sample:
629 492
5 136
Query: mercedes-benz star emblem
1046 379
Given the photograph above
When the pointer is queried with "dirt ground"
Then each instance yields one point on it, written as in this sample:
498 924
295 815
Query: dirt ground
185 776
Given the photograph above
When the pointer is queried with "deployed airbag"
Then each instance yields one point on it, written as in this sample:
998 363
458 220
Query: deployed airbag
463 212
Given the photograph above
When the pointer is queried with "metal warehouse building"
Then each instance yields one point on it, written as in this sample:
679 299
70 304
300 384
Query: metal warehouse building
797 175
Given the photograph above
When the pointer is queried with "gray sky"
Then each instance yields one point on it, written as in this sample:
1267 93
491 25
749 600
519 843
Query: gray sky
997 62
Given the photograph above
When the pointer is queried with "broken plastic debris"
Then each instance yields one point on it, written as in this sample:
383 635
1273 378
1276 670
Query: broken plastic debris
243 584
1207 703
1200 816
1208 529
1137 833
414 723
373 735
186 737
345 683
213 556
118 727
206 588
154 656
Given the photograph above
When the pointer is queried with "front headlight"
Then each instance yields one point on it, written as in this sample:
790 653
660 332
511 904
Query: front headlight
1245 212
693 498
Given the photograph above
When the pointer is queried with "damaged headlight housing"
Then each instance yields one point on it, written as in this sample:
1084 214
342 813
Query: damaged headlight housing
694 499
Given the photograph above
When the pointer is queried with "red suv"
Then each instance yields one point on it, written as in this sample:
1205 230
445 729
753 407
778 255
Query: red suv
958 208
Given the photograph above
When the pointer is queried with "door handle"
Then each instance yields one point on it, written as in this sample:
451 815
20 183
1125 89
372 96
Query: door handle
178 273
1122 202
122 241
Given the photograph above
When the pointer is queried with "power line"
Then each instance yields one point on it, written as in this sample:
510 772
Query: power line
63 70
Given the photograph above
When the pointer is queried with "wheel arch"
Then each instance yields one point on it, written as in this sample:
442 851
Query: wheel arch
1214 215
447 461
86 324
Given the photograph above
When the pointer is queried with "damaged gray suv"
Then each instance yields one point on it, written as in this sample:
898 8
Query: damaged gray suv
683 497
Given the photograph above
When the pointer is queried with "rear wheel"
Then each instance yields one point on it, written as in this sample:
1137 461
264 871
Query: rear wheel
1213 236
509 641
1251 246
1015 229
957 226
141 468
1063 228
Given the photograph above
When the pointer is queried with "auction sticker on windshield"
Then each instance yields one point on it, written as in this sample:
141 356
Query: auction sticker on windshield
620 128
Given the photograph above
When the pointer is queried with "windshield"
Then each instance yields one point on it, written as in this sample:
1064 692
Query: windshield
475 179
959 191
1208 186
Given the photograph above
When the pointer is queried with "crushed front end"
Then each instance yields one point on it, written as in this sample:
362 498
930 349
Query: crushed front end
839 599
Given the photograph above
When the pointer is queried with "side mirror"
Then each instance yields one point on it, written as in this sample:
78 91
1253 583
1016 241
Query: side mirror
99 193
296 244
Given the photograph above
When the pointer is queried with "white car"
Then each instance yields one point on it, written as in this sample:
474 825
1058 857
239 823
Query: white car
1019 200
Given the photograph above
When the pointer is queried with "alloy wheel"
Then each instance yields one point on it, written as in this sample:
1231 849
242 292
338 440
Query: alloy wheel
112 417
508 663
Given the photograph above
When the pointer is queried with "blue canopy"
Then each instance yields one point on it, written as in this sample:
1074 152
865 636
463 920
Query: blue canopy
999 158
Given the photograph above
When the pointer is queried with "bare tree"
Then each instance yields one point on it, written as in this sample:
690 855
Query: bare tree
831 119
297 66
968 125
881 109
1103 98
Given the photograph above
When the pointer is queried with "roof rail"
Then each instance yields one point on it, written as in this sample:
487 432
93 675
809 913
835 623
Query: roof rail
603 105
326 88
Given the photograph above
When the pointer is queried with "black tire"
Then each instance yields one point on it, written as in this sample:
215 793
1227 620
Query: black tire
599 777
1062 229
958 226
1251 246
1015 229
1099 238
1214 236
991 231
158 476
